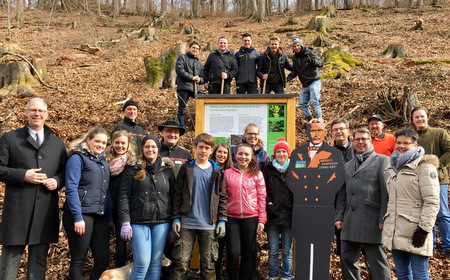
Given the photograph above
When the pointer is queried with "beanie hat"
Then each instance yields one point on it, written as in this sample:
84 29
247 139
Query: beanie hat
130 102
154 138
281 144
295 40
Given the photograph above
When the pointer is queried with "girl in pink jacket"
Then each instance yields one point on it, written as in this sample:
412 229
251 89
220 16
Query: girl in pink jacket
246 211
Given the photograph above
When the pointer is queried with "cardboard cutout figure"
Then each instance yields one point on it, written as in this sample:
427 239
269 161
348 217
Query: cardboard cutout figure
316 173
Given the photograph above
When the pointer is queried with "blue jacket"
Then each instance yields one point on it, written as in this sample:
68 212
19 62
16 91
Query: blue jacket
283 63
87 181
247 60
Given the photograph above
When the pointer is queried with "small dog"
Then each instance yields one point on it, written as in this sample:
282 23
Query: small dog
120 273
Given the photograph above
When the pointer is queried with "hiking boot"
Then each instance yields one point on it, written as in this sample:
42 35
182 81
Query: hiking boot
447 254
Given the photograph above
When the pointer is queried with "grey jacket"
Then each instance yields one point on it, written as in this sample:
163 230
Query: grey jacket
362 202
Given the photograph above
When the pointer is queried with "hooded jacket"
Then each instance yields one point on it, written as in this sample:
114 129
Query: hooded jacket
305 64
217 63
283 63
413 201
246 195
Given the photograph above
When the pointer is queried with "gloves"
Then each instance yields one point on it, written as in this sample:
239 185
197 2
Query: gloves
220 229
176 227
418 238
125 232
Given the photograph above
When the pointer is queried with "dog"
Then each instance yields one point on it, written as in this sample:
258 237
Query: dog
120 273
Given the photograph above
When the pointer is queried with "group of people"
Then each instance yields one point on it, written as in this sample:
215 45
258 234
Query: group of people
246 67
149 187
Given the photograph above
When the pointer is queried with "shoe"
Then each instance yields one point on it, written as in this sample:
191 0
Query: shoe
273 278
447 254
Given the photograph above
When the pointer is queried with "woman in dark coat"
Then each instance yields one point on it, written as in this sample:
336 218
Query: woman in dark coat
145 209
279 211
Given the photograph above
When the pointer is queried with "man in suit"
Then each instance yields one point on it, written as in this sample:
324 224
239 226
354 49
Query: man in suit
32 165
360 207
316 174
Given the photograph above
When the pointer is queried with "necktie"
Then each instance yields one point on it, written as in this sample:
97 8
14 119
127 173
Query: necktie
38 140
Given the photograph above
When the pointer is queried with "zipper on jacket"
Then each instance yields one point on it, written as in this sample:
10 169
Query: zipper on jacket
240 196
83 196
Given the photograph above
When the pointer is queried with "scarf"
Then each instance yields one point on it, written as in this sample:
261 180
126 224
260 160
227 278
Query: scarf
152 168
397 161
117 165
279 167
256 148
360 158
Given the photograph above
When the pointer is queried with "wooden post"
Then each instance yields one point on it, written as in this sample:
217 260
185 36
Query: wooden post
264 87
221 86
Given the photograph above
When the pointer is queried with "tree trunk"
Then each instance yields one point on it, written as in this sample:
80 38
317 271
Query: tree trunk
41 67
394 51
435 3
347 4
20 8
254 9
163 6
139 8
115 8
169 58
8 3
419 3
363 4
261 16
14 74
320 24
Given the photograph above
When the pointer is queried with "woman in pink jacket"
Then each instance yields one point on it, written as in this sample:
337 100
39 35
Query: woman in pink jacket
246 211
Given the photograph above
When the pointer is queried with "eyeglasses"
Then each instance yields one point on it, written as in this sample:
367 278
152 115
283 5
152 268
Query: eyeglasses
34 111
361 139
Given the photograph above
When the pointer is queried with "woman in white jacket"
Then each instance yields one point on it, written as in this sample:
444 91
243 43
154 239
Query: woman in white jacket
413 188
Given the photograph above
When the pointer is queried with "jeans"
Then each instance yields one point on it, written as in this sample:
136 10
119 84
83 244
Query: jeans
241 241
311 94
275 87
37 261
183 97
409 266
148 243
207 243
273 237
249 88
96 237
443 219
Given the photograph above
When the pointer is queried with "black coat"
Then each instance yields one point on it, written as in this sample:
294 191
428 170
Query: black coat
305 64
30 212
264 64
150 200
187 66
136 132
217 63
278 193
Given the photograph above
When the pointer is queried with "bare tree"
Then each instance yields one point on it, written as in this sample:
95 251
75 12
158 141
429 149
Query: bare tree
163 6
261 16
195 8
419 3
8 4
115 8
347 4
20 8
253 9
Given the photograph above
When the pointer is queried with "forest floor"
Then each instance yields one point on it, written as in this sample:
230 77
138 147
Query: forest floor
92 84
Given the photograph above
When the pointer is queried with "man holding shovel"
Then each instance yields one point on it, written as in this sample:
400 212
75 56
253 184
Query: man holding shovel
220 68
188 69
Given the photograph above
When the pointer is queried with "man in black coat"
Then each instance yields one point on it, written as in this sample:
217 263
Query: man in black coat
32 165
130 124
220 68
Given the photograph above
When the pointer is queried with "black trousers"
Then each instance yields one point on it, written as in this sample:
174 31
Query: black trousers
96 238
37 261
249 88
214 88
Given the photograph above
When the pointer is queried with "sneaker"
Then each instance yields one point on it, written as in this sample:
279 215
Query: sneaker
447 254
273 278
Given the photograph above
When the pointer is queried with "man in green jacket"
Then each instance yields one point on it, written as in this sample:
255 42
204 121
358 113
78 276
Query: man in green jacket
436 141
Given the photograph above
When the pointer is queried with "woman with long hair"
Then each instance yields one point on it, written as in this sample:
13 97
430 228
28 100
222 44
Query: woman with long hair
251 137
246 211
120 155
145 209
86 205
221 154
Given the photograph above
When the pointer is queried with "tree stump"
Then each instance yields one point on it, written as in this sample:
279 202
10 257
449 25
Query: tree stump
419 25
394 50
329 11
397 105
15 73
161 71
41 67
187 29
320 41
154 70
229 24
209 47
148 34
290 21
320 24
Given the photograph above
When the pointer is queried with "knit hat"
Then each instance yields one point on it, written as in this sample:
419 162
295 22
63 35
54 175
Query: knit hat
295 40
281 144
376 116
173 123
154 138
130 102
